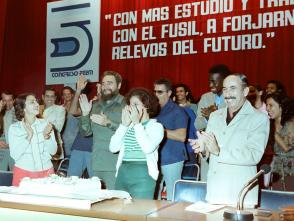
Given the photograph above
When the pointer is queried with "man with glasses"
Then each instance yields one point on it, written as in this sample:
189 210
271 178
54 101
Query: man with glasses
172 150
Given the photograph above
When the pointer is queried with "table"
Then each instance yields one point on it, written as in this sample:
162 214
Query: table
115 209
177 212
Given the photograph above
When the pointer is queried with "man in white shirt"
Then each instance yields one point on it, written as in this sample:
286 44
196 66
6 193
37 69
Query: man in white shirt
54 114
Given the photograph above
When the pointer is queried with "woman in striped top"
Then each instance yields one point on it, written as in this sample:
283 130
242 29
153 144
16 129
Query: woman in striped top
137 139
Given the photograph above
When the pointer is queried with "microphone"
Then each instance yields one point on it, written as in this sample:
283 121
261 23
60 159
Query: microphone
264 169
240 214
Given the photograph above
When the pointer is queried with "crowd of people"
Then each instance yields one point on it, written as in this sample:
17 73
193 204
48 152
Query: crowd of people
140 142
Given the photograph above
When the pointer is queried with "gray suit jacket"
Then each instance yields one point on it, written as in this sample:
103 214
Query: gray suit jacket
242 144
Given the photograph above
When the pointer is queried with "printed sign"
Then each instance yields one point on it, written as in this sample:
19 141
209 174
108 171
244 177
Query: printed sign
73 28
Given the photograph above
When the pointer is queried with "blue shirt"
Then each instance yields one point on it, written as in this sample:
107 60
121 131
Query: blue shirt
83 143
191 129
219 100
172 117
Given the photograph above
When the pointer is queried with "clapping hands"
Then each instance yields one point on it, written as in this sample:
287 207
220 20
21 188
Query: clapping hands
205 142
47 130
28 129
100 119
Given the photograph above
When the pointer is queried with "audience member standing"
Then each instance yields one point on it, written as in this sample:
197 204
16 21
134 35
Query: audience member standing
55 114
71 127
184 99
210 102
172 150
274 86
234 140
137 139
281 113
81 150
102 119
32 141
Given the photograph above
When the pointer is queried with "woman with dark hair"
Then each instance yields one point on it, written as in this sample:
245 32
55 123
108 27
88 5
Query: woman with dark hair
137 139
32 141
281 113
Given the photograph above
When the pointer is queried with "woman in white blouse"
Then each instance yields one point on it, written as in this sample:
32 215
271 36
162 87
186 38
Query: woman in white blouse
137 139
32 141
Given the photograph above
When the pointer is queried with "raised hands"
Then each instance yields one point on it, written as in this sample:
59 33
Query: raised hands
205 142
210 142
47 130
3 144
85 104
28 129
81 84
206 111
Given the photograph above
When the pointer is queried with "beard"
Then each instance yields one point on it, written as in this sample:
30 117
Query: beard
109 96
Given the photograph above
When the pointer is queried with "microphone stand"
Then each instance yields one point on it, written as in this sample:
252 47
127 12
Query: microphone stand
240 214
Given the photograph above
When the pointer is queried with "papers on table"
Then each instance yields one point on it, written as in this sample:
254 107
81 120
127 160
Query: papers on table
202 207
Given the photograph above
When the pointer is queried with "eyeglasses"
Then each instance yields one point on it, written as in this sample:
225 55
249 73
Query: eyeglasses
159 92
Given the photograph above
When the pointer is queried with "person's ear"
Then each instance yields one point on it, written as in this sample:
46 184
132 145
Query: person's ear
119 86
246 91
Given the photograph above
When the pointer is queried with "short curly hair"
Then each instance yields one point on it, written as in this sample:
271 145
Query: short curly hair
149 100
19 105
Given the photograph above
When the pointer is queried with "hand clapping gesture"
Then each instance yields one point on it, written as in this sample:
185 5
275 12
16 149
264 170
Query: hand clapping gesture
100 119
208 110
47 130
210 142
85 104
28 129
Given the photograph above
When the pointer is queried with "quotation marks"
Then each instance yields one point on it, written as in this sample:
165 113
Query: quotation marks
269 35
107 17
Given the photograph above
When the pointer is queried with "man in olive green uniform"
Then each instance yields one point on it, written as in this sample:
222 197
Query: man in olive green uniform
102 119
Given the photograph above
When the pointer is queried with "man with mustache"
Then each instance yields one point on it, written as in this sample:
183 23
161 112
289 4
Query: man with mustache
102 119
234 140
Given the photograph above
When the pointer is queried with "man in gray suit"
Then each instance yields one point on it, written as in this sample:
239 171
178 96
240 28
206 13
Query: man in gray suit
210 102
234 140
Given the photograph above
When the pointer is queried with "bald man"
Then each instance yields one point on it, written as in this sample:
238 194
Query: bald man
235 140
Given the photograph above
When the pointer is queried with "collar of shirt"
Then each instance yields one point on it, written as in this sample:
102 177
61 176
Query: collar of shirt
219 99
166 107
229 118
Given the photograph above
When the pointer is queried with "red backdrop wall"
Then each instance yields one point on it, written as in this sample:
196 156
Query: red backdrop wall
23 52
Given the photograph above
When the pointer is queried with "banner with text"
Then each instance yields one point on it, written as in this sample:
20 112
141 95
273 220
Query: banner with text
181 38
73 28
